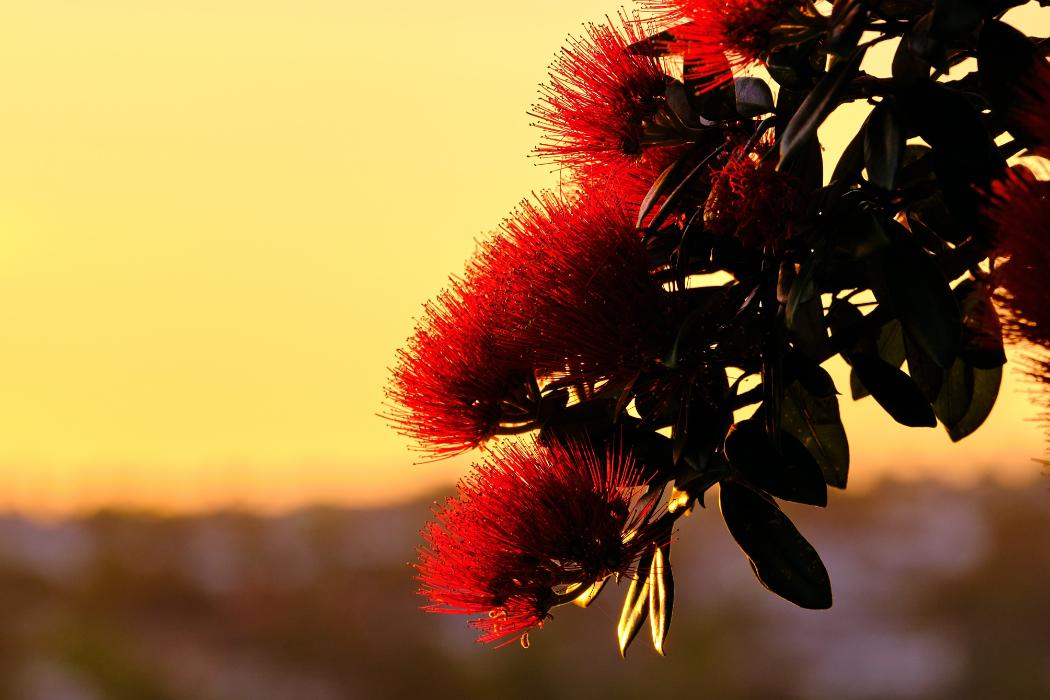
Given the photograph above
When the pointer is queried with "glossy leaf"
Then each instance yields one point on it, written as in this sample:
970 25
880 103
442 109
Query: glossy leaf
661 596
923 371
802 290
913 286
818 105
1006 58
889 346
664 183
967 398
883 145
956 18
781 558
635 606
982 334
894 391
986 383
753 97
588 594
851 162
956 394
965 156
814 420
790 472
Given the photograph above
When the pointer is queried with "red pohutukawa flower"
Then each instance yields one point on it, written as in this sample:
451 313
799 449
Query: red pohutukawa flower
529 526
564 287
751 201
600 99
1018 208
717 37
456 384
591 305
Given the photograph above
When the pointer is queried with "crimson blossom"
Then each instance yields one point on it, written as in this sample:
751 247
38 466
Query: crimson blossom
456 384
718 37
751 200
578 278
529 528
600 100
1018 208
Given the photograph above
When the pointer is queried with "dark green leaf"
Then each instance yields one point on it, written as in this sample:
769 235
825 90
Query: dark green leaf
910 283
859 234
715 104
895 391
789 473
965 156
923 371
753 97
889 345
1006 61
851 162
956 394
908 68
661 596
795 67
802 290
666 182
780 556
847 327
883 145
809 332
846 27
932 214
818 105
815 421
925 46
806 165
986 384
956 18
982 335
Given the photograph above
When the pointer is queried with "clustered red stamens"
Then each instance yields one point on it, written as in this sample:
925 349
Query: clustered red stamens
599 98
1019 210
563 288
450 385
719 37
526 524
601 313
751 201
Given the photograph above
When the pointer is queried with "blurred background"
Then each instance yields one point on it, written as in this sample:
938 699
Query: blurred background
218 219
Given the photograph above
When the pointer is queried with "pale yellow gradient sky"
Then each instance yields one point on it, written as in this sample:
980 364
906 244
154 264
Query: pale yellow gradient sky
218 219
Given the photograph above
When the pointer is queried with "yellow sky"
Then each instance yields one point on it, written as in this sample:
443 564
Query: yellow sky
219 217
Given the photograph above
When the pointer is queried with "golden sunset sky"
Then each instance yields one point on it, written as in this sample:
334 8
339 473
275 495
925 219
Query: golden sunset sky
218 219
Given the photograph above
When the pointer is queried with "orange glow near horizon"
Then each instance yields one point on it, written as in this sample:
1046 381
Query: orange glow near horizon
218 220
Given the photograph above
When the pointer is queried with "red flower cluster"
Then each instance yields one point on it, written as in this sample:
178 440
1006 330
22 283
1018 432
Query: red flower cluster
593 309
717 37
1019 210
527 527
751 201
599 100
456 383
563 288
